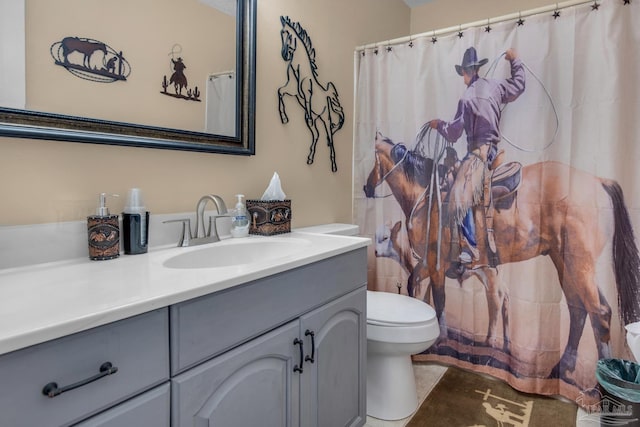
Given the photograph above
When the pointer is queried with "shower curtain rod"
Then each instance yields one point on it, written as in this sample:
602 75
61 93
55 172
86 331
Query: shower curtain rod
456 28
219 74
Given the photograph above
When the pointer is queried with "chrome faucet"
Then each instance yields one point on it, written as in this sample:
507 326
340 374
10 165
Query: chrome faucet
222 211
202 235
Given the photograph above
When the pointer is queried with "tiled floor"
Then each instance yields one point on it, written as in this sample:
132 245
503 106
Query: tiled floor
428 375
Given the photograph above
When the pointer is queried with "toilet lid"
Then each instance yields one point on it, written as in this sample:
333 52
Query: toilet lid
385 308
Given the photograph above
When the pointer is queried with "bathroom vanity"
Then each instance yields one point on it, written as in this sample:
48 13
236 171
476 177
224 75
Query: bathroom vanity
271 343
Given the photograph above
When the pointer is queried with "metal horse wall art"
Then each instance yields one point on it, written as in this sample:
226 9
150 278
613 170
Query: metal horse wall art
322 109
90 59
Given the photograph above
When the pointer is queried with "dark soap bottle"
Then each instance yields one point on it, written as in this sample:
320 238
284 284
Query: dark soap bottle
135 224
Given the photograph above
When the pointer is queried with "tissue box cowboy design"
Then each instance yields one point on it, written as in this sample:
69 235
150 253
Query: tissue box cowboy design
268 217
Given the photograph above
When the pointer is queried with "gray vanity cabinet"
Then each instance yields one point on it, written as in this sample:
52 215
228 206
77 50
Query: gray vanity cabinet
149 409
242 357
333 385
138 347
263 382
288 349
252 385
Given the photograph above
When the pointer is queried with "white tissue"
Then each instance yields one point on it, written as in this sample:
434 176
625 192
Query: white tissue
274 190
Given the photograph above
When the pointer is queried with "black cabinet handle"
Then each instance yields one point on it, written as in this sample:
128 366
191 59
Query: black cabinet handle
297 368
313 346
52 389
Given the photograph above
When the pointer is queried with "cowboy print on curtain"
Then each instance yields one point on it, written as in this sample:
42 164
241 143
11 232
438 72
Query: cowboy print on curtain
496 174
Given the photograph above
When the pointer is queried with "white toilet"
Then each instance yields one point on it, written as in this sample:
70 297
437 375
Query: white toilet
397 327
633 339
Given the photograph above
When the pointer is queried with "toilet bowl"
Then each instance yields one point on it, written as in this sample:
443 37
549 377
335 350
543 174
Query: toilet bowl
633 339
397 327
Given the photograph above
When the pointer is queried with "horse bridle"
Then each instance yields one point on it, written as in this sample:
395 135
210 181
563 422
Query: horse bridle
386 175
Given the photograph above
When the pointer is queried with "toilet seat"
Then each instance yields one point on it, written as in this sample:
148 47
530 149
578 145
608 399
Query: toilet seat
394 310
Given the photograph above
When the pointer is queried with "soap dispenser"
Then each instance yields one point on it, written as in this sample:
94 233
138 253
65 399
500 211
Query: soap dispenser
135 224
240 223
103 232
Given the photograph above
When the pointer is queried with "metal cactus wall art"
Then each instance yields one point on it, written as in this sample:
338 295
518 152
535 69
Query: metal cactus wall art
178 80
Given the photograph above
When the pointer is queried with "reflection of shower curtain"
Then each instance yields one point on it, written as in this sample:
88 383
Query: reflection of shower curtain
12 55
580 107
221 104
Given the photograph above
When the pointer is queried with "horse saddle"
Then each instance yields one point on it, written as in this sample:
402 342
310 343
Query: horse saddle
505 181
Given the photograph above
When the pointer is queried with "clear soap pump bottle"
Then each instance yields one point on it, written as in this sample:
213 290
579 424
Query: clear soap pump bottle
240 223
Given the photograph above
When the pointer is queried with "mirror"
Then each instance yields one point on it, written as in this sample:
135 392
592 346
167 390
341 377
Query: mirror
141 73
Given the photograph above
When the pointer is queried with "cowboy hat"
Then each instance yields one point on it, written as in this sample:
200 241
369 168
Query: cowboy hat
470 60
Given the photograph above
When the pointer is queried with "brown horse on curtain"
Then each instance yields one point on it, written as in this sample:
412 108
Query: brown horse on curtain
550 216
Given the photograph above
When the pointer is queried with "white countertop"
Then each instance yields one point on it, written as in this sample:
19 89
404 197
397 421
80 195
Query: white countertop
51 300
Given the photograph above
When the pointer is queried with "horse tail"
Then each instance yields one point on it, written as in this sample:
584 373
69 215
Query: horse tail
626 261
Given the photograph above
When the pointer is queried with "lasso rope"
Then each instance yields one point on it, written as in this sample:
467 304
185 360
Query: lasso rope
491 69
435 153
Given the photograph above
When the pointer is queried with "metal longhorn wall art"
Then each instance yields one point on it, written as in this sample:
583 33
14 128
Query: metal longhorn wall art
322 110
90 59
178 79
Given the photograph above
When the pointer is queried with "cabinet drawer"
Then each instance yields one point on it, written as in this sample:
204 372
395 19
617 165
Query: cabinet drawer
151 409
207 326
137 346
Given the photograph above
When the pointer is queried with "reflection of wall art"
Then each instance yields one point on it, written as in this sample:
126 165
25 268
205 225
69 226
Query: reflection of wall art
178 80
90 59
322 110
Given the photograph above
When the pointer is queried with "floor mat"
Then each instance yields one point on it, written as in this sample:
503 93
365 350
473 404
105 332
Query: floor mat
466 399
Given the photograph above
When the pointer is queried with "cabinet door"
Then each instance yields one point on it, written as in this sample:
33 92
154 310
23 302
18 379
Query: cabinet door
251 385
333 385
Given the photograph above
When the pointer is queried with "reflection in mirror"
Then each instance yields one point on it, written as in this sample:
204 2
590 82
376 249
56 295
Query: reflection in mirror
176 74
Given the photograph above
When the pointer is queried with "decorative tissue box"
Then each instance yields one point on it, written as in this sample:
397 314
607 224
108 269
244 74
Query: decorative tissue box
268 217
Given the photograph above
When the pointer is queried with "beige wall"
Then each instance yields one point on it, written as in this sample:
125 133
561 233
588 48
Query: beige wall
46 181
149 35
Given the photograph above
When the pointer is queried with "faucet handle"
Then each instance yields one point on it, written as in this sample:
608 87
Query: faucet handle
185 236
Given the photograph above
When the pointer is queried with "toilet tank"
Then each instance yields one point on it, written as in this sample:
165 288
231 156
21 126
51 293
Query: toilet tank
334 228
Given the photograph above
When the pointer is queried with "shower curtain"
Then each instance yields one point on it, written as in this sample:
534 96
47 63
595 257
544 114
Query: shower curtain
581 109
221 104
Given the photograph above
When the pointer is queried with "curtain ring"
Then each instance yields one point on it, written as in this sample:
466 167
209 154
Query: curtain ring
520 20
460 33
434 39
487 29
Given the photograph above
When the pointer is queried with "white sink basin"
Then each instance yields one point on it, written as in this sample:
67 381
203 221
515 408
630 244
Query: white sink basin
236 252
